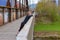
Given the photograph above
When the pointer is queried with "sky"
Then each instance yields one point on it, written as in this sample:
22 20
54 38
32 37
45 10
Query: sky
33 1
3 2
36 1
57 2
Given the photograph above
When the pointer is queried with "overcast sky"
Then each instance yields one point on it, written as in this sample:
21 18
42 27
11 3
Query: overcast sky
33 1
3 2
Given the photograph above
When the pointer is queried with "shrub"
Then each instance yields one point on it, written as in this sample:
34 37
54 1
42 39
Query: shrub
47 12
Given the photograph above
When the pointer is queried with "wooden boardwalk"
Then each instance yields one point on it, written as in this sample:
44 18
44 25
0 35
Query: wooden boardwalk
9 31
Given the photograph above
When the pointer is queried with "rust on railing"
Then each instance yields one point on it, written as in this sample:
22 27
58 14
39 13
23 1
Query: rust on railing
9 13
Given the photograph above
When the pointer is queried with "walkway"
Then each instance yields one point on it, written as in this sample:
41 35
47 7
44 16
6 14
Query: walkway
9 31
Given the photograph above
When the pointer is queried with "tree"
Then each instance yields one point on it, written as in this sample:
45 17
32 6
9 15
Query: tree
47 11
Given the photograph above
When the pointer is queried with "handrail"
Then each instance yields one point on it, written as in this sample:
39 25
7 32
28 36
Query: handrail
27 32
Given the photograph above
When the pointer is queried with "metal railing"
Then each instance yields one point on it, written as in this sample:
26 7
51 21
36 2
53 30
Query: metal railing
11 12
27 32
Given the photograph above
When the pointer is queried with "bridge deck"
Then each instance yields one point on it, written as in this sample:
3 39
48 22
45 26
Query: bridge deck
9 31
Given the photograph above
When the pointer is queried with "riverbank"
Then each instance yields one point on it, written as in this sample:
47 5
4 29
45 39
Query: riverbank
45 35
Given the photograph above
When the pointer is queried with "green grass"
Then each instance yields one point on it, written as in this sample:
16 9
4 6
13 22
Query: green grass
47 27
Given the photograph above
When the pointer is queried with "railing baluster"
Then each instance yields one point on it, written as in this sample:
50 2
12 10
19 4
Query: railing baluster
3 15
9 15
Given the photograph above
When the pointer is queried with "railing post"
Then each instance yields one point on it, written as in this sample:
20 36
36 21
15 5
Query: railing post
27 5
9 10
3 15
9 15
16 13
16 9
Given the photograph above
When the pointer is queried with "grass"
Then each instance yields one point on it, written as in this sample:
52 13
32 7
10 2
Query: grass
55 26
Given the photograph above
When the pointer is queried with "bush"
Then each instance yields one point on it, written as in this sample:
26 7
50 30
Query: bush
47 12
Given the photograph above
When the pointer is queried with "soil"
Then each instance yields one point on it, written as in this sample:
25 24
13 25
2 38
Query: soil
47 35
